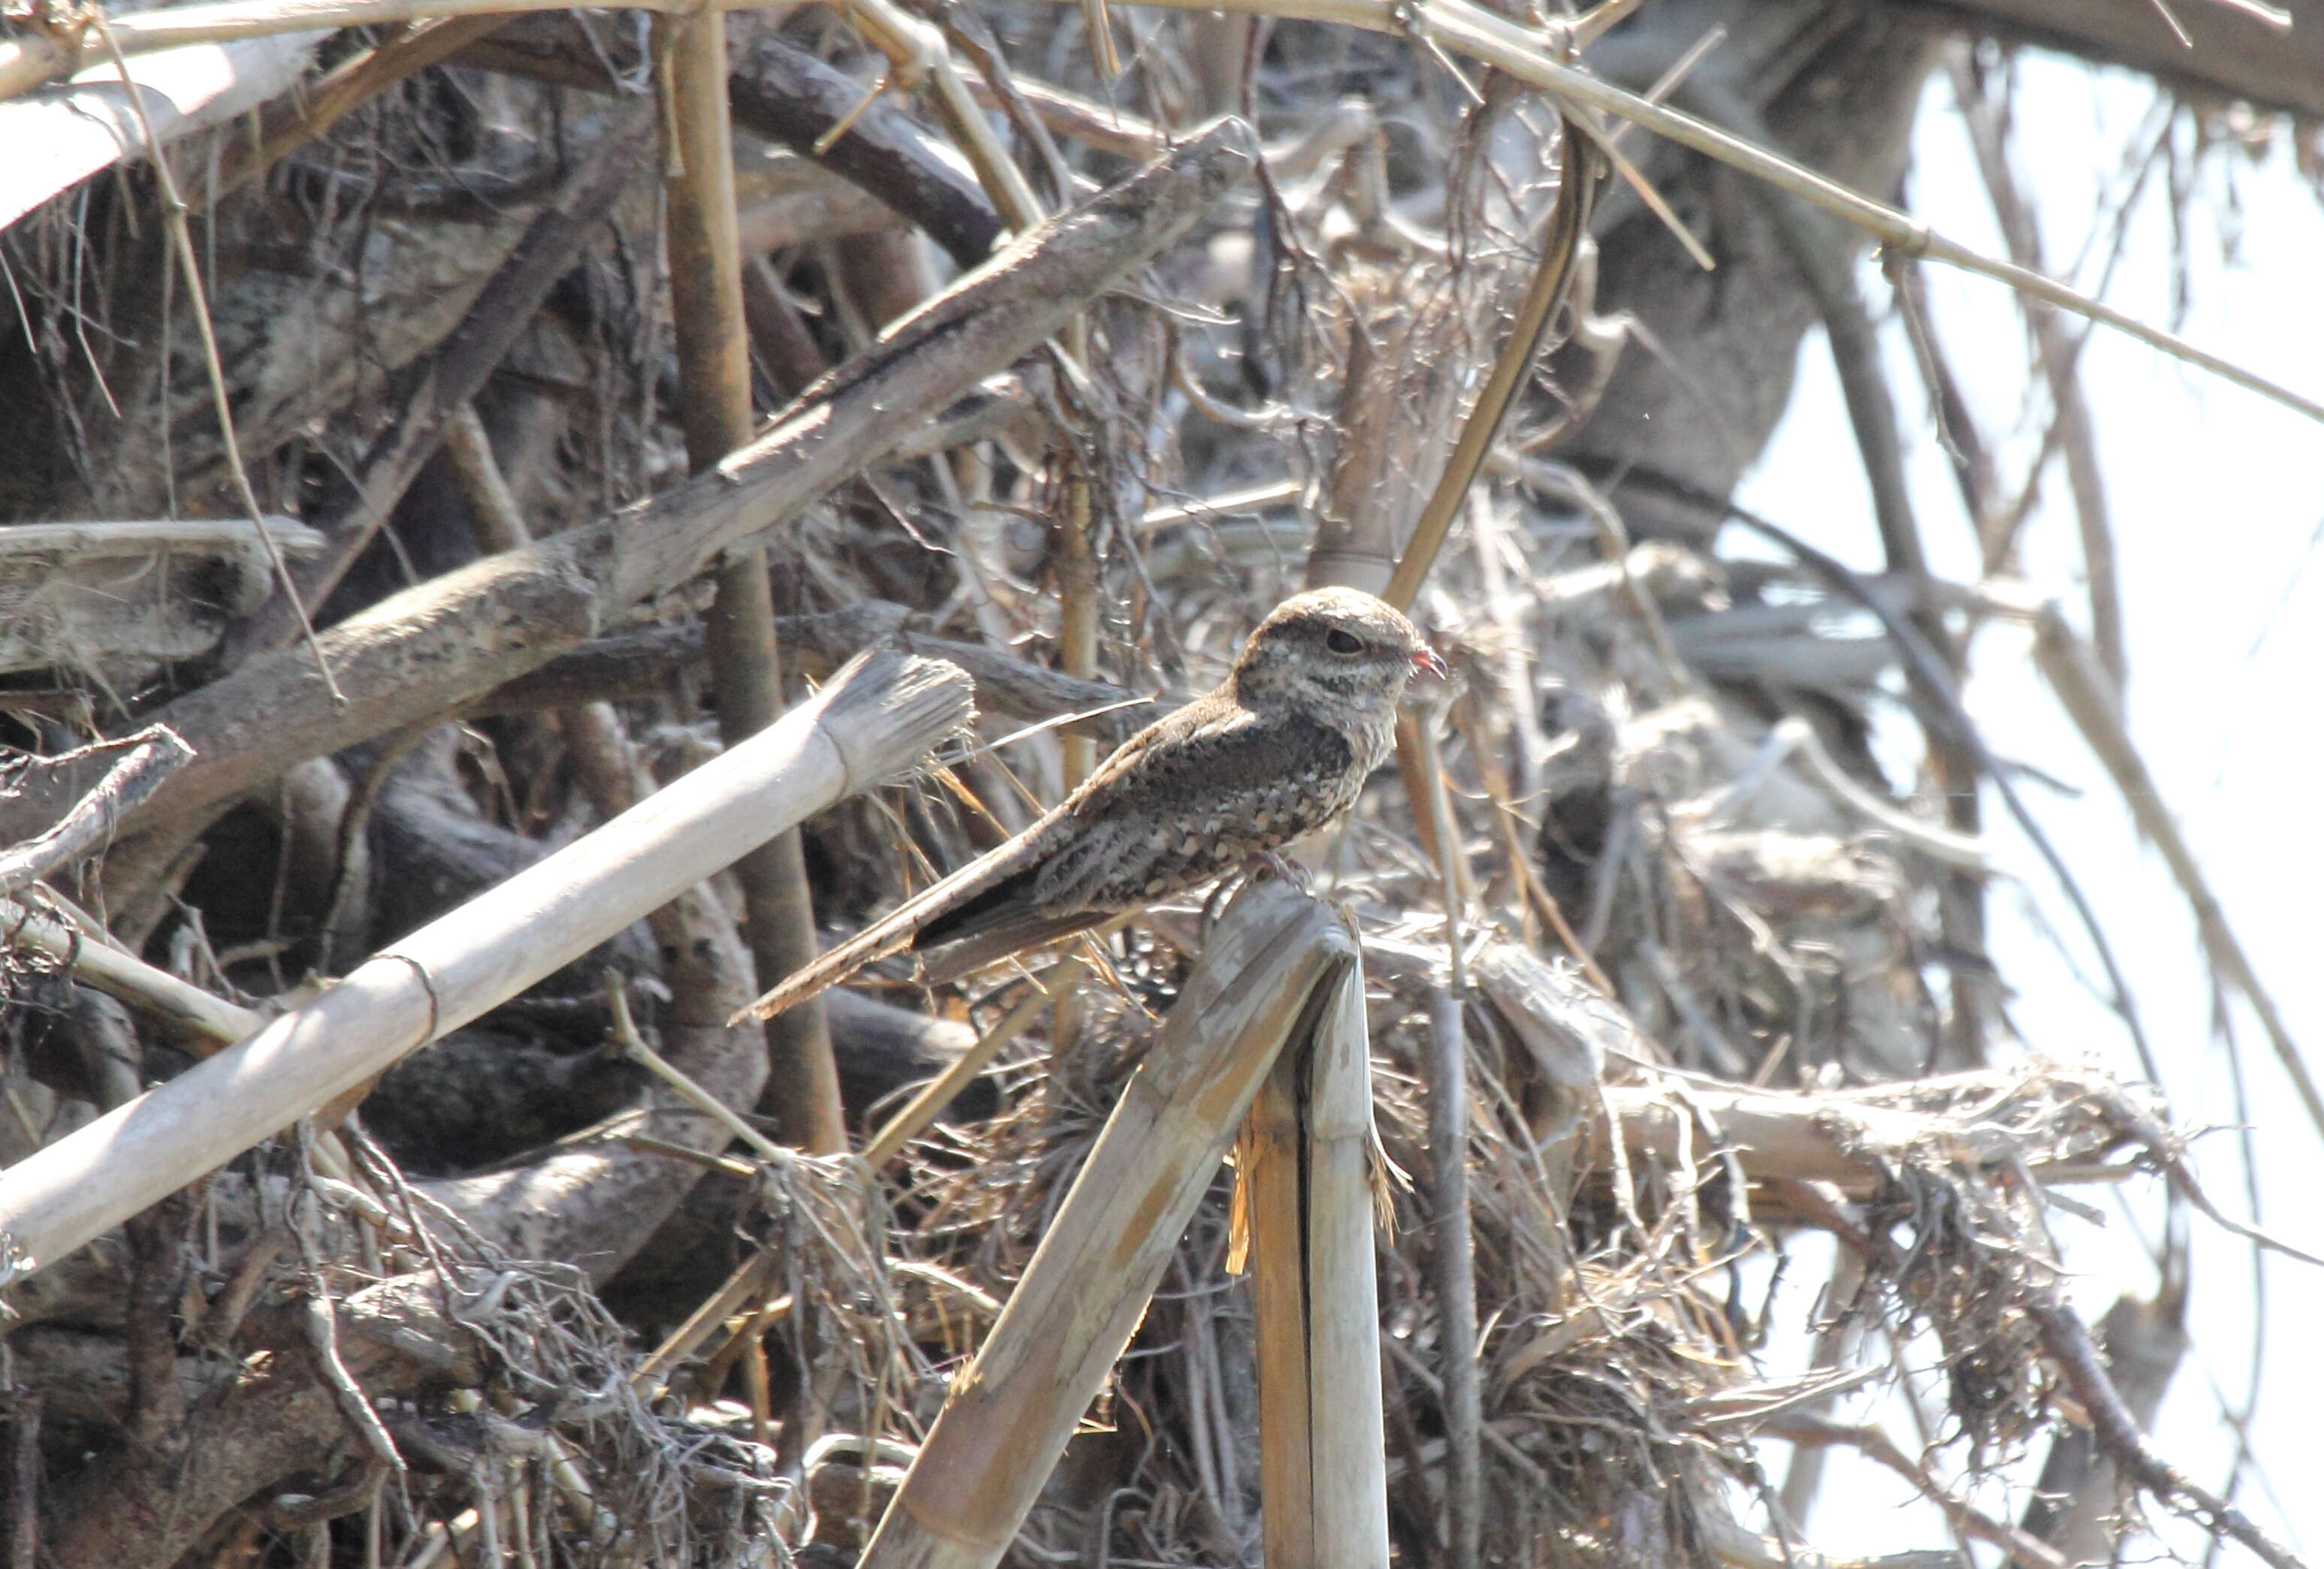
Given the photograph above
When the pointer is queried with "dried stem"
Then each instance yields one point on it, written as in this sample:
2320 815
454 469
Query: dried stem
918 54
1529 54
155 754
1077 607
1447 1074
185 1009
713 359
2068 1340
450 376
2094 704
2058 354
348 86
1562 235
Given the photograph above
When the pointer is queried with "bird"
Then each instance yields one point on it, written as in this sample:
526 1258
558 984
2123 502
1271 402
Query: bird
1278 750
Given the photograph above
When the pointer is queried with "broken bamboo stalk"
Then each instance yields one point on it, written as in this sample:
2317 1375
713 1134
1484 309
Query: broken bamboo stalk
876 719
1007 1422
1322 1448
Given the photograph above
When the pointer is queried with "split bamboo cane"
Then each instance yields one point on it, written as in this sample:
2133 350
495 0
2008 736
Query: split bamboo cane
1069 1319
876 719
1321 1446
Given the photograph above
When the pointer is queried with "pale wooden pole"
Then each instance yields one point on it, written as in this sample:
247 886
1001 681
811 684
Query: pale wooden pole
1069 1317
1322 1444
875 720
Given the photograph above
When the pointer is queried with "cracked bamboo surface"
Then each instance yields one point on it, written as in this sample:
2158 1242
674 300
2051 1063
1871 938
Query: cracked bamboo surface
1322 1449
1010 1414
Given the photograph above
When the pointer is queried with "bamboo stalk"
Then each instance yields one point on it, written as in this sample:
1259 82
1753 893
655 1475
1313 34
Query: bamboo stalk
713 358
128 979
1002 1432
63 136
1322 1449
874 721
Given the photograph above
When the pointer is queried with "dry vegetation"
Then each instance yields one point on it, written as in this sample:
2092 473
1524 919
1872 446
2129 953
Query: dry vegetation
1660 971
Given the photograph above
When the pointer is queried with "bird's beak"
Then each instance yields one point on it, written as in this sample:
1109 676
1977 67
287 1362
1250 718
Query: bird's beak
1424 658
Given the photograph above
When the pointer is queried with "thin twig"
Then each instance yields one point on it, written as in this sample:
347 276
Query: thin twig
2068 1340
634 1047
323 1344
2055 350
1562 234
748 1279
1827 266
1531 56
2092 703
348 86
1811 1432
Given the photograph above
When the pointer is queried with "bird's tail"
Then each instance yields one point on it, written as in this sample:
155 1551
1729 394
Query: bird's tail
894 930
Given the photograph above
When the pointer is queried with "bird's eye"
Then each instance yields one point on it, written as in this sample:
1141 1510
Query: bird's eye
1342 643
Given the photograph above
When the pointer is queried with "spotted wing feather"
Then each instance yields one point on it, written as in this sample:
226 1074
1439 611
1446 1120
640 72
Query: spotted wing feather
1195 796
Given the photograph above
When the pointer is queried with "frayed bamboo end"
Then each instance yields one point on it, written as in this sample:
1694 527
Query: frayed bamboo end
879 708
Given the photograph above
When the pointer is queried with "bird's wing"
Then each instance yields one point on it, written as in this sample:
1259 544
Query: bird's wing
1230 785
1079 832
1216 786
1181 801
996 881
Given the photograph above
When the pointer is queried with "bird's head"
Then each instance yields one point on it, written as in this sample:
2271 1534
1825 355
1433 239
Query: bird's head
1334 650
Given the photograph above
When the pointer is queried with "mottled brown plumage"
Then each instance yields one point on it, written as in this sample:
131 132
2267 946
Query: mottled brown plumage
1278 750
